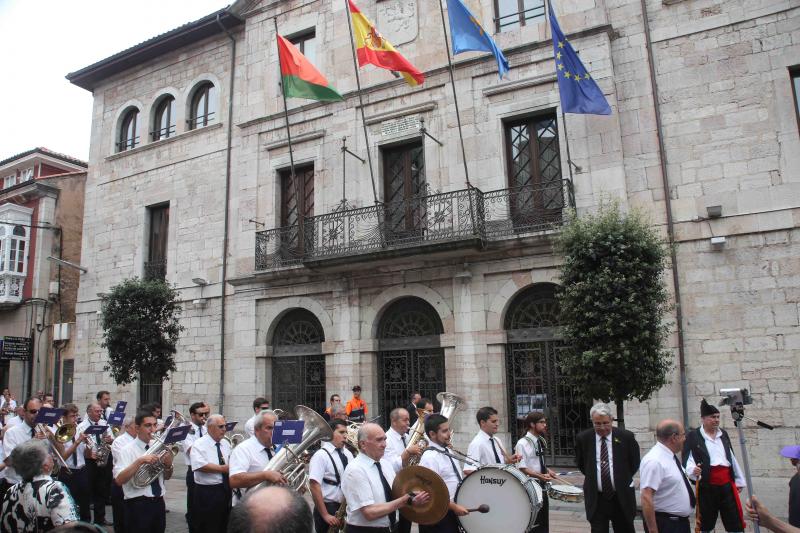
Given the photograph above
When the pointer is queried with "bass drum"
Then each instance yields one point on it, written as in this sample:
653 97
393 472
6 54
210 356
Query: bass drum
513 498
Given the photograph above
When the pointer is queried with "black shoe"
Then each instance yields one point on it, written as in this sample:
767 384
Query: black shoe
103 523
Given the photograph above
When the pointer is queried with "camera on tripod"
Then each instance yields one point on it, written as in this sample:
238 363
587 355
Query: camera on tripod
734 397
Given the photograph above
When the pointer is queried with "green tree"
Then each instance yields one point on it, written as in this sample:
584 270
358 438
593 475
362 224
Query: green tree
613 304
141 329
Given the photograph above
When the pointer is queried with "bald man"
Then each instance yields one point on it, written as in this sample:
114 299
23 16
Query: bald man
267 509
667 497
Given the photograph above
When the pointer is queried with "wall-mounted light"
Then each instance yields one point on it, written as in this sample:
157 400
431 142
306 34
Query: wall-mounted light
200 282
717 243
714 211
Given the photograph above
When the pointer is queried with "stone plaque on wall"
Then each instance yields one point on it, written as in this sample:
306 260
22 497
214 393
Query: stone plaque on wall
397 20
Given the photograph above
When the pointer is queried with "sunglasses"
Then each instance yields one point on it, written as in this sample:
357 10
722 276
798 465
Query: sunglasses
202 414
33 411
220 426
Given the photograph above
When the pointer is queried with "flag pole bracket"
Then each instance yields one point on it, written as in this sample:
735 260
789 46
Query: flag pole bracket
424 131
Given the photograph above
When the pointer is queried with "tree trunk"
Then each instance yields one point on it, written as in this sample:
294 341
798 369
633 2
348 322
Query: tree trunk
620 413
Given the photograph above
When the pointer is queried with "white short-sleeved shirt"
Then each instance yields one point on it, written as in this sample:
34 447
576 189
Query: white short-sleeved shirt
440 463
204 452
250 425
530 448
321 469
481 449
658 471
13 421
395 448
195 433
10 404
13 438
77 460
85 423
120 442
362 486
248 457
127 456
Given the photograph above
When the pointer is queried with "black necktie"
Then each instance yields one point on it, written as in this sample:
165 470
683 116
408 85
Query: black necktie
455 469
342 457
692 499
269 452
387 492
403 437
200 429
540 453
103 414
74 455
220 459
494 449
605 470
155 486
33 433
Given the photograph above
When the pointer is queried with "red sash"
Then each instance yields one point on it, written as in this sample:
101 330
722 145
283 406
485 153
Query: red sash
721 475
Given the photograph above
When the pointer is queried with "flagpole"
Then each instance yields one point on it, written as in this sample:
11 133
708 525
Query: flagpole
289 139
361 101
548 7
455 98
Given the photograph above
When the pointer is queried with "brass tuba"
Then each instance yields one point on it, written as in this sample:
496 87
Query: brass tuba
417 436
289 461
148 473
450 404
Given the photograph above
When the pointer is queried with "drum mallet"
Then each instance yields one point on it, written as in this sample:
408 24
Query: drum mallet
483 508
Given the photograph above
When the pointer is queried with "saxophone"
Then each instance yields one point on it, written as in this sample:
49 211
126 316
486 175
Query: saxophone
340 512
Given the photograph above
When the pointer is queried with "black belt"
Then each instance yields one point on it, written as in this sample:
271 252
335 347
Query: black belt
145 498
671 516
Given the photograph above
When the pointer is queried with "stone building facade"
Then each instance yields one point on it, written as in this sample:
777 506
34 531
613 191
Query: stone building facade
413 280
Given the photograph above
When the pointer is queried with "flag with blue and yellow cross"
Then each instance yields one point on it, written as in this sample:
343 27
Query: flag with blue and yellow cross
579 92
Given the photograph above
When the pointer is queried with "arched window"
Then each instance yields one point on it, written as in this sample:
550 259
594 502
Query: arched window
203 110
128 137
164 120
19 241
298 366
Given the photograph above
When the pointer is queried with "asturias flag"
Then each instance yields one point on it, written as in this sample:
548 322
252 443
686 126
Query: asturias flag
467 35
300 78
372 48
579 92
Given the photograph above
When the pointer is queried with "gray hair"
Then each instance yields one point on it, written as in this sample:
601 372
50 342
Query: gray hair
28 458
214 417
272 509
666 429
260 420
128 421
395 414
602 409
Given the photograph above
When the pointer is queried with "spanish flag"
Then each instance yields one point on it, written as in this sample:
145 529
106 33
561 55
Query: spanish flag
372 48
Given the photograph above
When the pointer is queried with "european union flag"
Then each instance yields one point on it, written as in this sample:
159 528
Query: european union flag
467 35
579 92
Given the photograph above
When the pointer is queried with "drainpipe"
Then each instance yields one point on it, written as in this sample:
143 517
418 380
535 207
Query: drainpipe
225 230
662 159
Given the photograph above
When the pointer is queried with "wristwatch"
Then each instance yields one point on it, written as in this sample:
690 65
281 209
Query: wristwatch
410 499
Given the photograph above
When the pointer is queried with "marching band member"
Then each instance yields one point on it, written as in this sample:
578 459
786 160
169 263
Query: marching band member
144 508
485 447
259 405
356 408
437 429
212 491
198 412
667 497
325 474
104 399
127 436
22 432
531 450
708 454
249 458
367 486
396 452
74 454
99 489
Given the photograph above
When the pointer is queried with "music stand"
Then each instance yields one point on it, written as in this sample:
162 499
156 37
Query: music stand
48 415
176 434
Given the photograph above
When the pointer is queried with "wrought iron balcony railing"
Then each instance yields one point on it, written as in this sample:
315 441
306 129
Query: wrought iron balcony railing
155 270
462 216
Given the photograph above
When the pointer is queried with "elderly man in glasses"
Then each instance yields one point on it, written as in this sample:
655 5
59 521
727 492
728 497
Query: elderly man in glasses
19 434
212 491
198 412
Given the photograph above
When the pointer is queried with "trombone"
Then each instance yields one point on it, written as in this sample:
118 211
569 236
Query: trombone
64 433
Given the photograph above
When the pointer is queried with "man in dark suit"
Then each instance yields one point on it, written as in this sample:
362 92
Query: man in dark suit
608 457
412 407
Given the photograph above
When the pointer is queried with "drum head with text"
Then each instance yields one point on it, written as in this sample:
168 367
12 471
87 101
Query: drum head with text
514 500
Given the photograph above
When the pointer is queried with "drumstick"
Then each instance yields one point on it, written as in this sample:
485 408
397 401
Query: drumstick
563 481
483 508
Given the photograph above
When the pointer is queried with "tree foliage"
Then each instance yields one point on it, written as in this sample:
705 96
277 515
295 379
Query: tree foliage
613 304
141 329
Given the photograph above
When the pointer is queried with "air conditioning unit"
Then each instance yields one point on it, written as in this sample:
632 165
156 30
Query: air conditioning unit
61 331
54 287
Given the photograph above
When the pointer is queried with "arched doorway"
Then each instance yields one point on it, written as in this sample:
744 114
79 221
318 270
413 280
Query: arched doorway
533 378
410 356
298 366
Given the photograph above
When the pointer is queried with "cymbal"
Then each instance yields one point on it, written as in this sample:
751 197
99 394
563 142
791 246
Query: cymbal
417 479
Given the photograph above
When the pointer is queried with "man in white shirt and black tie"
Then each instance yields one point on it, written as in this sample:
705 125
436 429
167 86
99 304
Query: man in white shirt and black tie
127 436
485 447
248 460
198 412
367 486
73 452
325 473
437 429
16 435
144 508
212 491
99 480
532 448
667 496
396 442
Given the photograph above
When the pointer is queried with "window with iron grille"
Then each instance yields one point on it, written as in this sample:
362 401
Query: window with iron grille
203 110
297 202
164 123
128 137
298 366
404 186
156 265
795 75
511 14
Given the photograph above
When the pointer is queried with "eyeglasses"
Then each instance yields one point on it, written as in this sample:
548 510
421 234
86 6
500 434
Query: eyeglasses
220 426
33 411
202 414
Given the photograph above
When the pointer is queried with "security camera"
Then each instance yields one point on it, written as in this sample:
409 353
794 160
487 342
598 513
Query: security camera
735 397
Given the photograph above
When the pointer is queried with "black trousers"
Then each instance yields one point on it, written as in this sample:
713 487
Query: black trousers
403 525
320 525
719 500
210 508
448 524
667 523
363 529
543 518
609 510
148 515
189 496
78 485
99 488
118 507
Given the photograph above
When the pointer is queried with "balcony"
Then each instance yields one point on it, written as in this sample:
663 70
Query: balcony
11 287
438 221
155 270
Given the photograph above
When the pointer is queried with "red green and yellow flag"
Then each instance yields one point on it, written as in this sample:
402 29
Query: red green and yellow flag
300 78
372 48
